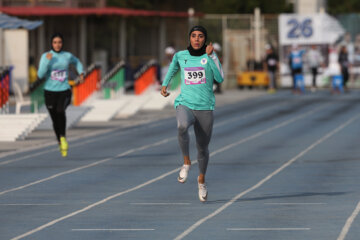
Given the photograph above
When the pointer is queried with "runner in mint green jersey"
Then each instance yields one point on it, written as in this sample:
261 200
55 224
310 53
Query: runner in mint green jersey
54 67
199 67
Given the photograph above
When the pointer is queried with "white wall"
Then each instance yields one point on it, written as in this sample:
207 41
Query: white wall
16 54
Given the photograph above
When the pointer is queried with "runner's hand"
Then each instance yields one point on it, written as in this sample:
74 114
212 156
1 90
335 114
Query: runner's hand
49 55
164 92
209 49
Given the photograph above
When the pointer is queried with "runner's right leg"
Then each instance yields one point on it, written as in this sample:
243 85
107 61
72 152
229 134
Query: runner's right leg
185 119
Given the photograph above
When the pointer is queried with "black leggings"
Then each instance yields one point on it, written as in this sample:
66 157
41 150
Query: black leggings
56 103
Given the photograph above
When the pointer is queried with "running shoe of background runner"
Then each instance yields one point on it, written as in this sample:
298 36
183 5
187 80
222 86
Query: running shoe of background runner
63 146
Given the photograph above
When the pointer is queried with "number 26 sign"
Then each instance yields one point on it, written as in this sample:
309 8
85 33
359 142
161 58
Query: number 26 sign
298 29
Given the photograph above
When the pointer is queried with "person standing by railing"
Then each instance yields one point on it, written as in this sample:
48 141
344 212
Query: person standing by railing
54 67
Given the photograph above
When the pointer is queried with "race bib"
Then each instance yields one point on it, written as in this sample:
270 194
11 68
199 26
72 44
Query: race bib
58 75
271 62
194 75
297 60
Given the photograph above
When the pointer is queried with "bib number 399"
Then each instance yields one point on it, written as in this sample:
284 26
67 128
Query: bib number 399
194 75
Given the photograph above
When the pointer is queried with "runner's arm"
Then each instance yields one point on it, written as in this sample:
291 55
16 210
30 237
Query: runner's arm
216 68
43 66
78 65
173 68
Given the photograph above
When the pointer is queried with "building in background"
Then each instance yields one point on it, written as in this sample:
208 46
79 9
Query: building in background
14 47
97 33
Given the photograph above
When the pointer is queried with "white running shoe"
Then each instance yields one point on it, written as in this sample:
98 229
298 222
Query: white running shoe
183 174
202 192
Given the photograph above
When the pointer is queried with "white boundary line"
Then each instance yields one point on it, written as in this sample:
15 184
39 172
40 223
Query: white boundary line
295 203
42 145
113 229
100 132
264 180
268 229
349 222
31 204
152 204
53 222
87 166
157 144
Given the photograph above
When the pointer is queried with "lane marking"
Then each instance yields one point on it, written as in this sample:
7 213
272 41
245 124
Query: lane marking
86 166
349 222
247 115
146 183
94 205
42 145
105 136
31 204
268 229
157 144
264 180
115 229
151 204
295 203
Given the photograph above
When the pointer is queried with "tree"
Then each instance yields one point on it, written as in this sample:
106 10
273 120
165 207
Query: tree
339 7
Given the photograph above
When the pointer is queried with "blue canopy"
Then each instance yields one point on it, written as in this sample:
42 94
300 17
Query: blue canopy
8 22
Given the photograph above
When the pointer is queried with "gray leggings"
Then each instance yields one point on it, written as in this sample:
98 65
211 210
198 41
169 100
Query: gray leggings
203 123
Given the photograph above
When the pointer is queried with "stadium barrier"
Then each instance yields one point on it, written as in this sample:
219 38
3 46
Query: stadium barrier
145 77
81 91
5 79
113 81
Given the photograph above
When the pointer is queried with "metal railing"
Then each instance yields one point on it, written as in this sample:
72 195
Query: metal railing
81 91
145 76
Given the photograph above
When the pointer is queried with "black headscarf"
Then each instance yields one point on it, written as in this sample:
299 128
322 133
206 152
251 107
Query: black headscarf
202 50
55 35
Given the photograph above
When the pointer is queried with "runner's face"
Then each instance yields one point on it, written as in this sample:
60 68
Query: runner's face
197 39
57 44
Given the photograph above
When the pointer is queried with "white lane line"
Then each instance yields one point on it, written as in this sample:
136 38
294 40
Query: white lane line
95 204
295 203
145 183
349 222
268 229
248 115
110 131
115 229
87 166
151 204
266 131
157 144
264 180
31 204
105 136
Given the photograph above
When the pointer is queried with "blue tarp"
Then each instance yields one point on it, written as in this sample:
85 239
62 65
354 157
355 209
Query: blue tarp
8 22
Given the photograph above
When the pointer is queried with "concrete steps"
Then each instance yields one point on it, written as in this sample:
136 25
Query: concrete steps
18 126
